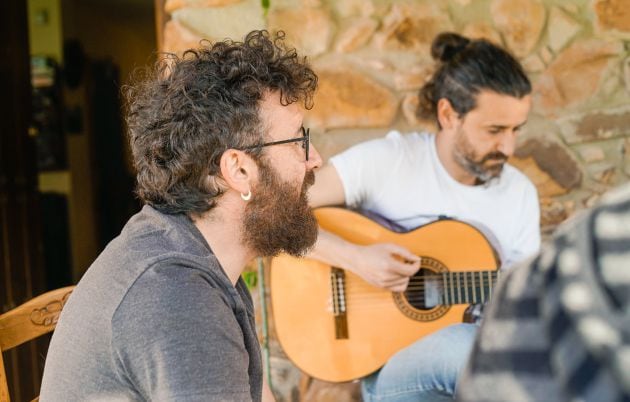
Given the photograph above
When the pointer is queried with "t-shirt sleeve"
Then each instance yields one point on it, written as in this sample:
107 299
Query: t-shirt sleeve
175 337
527 240
363 167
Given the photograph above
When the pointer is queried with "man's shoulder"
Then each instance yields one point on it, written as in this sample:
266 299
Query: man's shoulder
396 140
410 144
513 178
151 235
175 286
409 139
394 143
146 247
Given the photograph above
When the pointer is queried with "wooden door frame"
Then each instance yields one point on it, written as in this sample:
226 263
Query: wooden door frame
161 18
21 263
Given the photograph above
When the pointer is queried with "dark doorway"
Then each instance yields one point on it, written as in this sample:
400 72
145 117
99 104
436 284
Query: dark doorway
66 182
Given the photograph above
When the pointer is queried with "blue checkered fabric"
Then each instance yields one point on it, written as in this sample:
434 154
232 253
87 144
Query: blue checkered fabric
558 328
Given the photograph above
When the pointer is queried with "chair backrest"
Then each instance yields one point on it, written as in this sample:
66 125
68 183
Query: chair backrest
26 322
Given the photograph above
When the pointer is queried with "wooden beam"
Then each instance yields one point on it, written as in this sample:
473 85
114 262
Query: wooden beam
161 18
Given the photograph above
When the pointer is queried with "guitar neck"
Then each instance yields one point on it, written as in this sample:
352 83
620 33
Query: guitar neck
465 287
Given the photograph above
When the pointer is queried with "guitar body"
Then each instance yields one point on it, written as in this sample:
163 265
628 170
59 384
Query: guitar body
379 323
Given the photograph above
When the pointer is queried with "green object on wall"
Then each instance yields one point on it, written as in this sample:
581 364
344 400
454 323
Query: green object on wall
265 5
251 279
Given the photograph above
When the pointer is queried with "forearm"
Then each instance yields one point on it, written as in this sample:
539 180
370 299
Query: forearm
384 265
335 251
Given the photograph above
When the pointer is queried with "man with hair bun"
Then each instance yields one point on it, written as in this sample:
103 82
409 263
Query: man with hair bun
223 167
480 99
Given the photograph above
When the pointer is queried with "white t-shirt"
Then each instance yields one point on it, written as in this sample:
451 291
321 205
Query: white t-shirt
402 179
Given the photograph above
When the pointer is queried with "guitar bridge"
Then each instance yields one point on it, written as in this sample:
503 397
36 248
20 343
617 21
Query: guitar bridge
338 288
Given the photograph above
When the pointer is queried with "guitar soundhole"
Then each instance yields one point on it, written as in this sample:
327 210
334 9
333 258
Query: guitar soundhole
422 292
420 301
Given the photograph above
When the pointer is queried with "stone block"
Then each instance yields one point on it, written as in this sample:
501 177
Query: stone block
320 391
594 126
613 15
311 3
482 30
284 4
347 98
545 55
409 107
285 378
545 184
554 212
178 38
592 154
591 200
414 78
356 34
520 22
554 161
387 66
574 75
310 30
561 28
336 141
604 174
611 84
412 26
533 63
233 21
172 5
376 64
353 8
570 7
625 148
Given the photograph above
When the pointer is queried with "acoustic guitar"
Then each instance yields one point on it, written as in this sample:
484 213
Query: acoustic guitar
336 327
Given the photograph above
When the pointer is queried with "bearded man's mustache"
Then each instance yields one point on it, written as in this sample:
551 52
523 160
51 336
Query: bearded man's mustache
309 180
495 156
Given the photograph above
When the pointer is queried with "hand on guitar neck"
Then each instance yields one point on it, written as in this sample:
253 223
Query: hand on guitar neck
385 265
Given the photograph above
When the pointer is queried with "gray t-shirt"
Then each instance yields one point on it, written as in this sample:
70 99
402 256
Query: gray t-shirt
155 318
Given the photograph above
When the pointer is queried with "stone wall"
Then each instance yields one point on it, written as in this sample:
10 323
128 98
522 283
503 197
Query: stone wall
372 57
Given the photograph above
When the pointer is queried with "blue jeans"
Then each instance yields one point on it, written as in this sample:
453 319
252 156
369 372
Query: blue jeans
425 371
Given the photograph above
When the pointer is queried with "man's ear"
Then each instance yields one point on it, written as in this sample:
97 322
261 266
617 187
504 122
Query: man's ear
447 116
238 170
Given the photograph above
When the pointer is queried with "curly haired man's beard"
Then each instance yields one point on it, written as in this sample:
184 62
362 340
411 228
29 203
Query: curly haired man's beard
278 218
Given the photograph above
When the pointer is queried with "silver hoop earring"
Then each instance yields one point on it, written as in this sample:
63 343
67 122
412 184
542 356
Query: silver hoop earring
248 196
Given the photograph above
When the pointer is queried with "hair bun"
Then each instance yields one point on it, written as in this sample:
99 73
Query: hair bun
446 45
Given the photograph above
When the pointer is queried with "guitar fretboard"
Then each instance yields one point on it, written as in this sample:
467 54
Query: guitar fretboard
465 287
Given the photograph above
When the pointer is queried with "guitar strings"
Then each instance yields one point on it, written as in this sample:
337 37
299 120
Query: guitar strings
420 283
364 295
417 285
356 292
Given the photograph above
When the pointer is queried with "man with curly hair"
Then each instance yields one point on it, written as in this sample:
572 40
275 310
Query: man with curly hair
223 167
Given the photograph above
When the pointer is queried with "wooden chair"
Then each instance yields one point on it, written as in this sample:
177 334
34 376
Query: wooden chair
26 322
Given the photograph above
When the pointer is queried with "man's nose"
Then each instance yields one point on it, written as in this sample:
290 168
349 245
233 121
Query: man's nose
507 144
314 158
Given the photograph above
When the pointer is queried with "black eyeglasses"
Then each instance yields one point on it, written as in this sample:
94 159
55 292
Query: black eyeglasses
306 139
